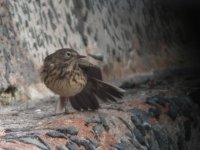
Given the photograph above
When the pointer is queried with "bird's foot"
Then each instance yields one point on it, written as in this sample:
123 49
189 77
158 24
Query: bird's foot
66 111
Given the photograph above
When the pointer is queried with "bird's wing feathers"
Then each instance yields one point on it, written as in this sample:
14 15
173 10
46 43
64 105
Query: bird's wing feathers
86 99
89 69
94 90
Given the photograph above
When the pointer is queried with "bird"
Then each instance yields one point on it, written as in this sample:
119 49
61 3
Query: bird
71 76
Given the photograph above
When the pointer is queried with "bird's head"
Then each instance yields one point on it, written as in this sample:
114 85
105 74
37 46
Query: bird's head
64 55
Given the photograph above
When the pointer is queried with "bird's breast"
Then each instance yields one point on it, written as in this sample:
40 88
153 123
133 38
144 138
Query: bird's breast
65 82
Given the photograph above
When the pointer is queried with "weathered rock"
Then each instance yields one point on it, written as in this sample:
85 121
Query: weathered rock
138 135
138 124
97 130
35 141
142 115
82 141
162 138
71 145
121 146
125 38
56 135
149 37
154 112
156 100
66 130
61 148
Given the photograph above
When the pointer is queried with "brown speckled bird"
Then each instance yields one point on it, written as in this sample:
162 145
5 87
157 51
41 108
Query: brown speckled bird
74 79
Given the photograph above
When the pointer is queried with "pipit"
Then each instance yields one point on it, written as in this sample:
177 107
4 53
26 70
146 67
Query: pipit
74 79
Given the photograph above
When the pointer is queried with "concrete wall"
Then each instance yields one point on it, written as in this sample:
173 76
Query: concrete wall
131 36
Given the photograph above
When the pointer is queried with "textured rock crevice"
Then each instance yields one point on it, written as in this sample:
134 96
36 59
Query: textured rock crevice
156 115
17 69
130 36
136 128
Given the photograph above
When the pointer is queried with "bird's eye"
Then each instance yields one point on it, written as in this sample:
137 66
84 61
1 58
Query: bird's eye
68 54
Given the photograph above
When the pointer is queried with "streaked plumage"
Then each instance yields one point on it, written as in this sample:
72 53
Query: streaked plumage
67 74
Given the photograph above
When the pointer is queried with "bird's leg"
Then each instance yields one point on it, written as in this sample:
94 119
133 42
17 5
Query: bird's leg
66 107
60 106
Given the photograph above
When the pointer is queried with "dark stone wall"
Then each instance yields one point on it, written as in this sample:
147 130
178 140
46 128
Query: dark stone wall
129 37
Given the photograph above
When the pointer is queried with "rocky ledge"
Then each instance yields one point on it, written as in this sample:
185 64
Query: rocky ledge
155 114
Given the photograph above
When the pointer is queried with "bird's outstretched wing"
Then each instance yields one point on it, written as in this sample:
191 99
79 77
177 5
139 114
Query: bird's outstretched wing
89 69
94 90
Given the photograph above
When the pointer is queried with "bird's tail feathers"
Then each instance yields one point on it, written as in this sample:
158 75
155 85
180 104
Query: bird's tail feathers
107 91
94 91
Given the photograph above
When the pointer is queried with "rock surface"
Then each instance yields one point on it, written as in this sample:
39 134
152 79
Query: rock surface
129 124
129 40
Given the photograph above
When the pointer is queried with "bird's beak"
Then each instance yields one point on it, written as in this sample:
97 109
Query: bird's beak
80 56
